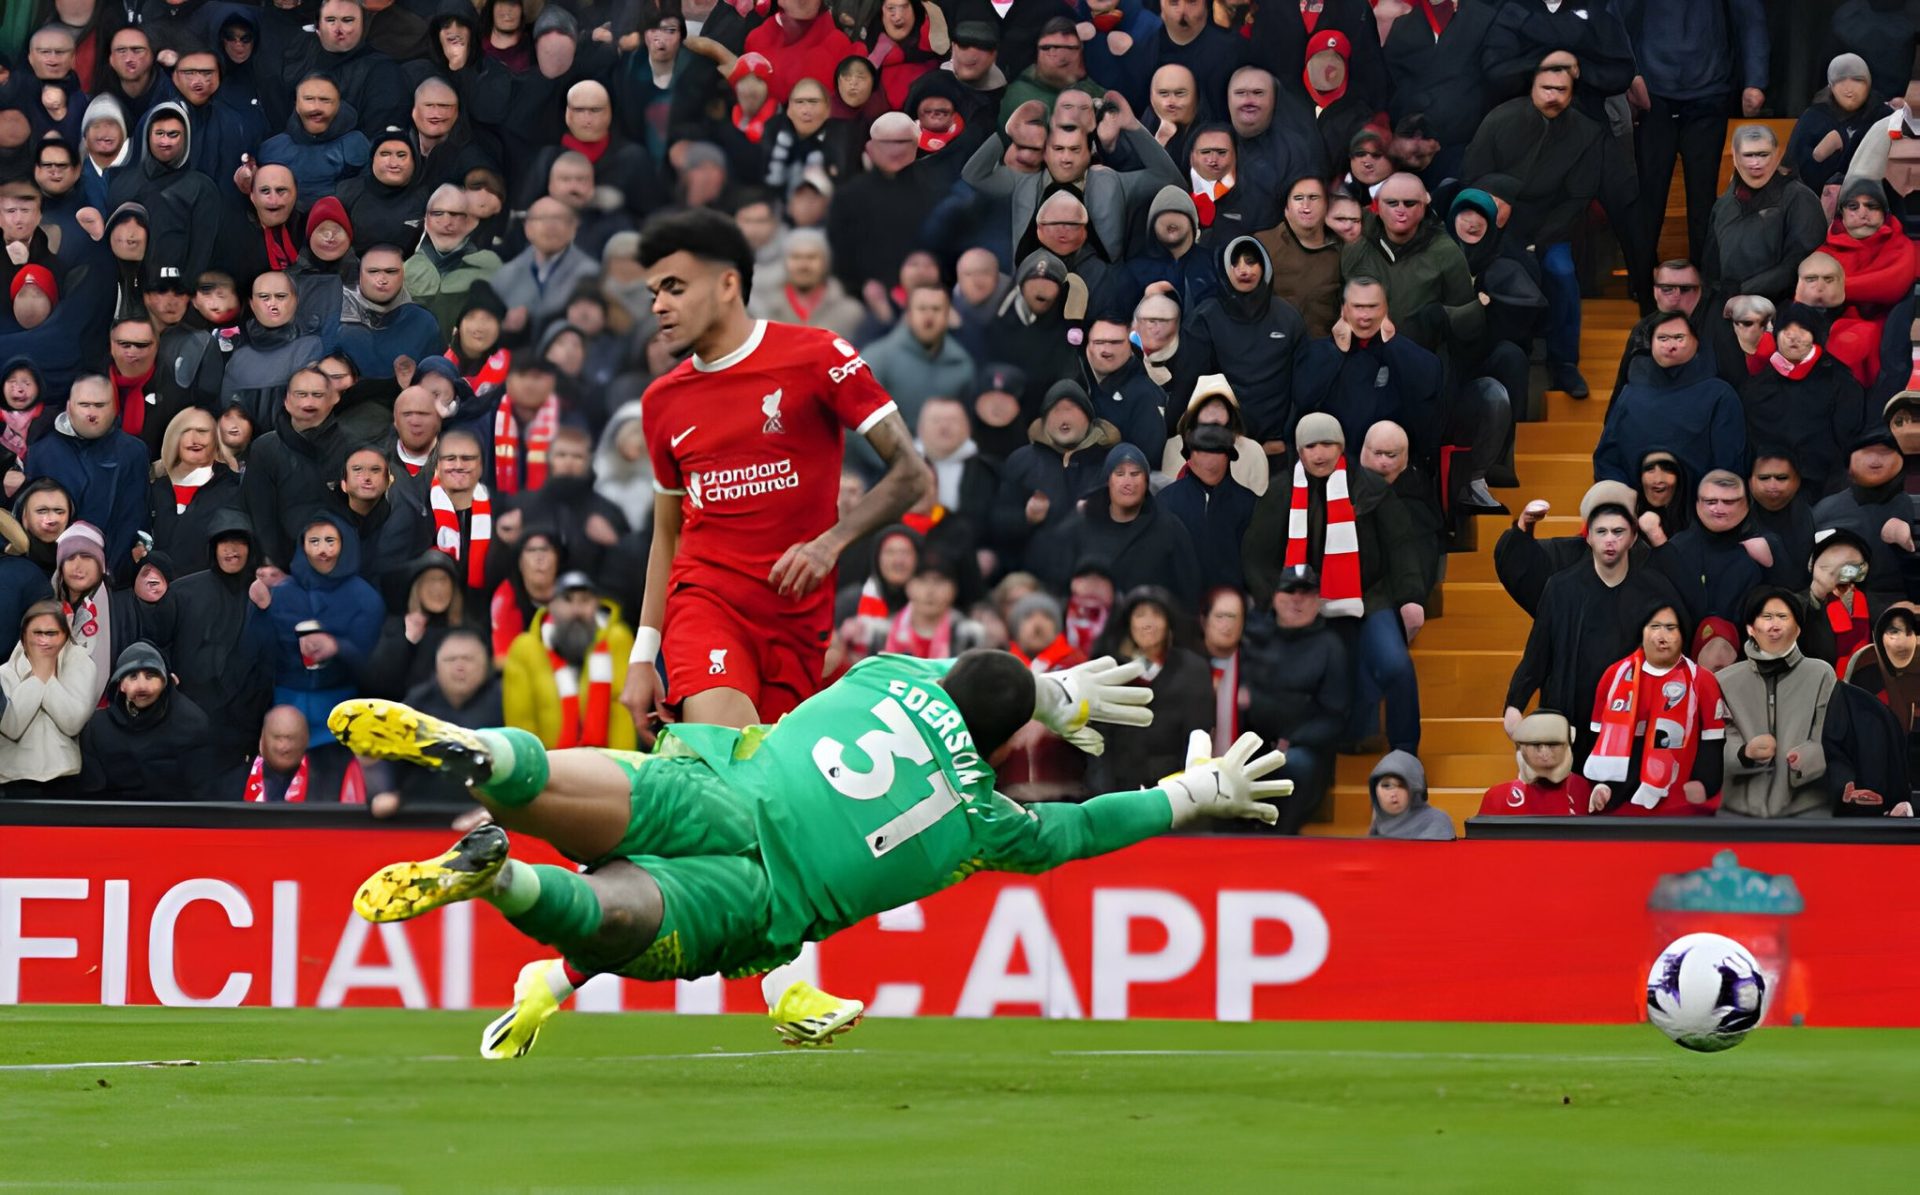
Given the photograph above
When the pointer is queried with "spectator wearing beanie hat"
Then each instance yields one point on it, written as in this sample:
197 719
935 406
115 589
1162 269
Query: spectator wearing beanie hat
1820 150
1039 634
1804 396
1173 261
1523 563
1125 525
1043 478
102 621
326 267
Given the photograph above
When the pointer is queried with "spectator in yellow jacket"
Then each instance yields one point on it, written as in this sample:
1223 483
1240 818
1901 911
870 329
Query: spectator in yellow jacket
563 674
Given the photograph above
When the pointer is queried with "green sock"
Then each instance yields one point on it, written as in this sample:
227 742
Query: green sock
519 770
516 889
564 913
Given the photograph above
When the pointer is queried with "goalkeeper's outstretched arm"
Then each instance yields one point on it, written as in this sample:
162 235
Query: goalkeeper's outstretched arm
1047 835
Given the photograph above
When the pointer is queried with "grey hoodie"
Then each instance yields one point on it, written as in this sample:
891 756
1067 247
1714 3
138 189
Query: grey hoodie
1421 820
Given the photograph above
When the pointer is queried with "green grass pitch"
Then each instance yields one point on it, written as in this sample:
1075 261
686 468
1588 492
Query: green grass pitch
389 1101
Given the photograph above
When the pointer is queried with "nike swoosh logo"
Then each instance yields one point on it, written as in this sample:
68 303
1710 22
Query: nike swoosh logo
675 441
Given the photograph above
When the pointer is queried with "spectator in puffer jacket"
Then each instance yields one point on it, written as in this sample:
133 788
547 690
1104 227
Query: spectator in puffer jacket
321 145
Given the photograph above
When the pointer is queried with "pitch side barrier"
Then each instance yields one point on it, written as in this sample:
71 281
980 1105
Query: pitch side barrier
250 905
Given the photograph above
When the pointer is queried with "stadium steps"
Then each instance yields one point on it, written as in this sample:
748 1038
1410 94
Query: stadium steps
1465 657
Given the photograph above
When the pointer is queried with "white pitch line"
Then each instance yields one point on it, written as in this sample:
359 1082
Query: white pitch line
1384 1055
186 1062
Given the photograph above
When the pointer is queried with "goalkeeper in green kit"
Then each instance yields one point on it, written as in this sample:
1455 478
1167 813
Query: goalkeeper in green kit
725 851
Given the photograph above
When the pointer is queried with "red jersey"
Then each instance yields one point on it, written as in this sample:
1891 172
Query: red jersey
753 443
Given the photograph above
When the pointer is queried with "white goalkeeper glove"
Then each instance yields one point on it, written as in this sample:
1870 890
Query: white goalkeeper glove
1096 691
1230 786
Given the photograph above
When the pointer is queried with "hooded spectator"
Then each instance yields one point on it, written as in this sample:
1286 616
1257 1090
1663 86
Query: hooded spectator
1253 338
220 660
321 144
1873 507
1043 479
1125 525
325 620
183 208
1214 402
1398 787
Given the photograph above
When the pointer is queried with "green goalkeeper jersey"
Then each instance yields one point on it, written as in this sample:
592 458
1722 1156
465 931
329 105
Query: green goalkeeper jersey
867 796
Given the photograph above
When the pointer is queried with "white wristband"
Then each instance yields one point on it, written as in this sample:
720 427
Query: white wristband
646 646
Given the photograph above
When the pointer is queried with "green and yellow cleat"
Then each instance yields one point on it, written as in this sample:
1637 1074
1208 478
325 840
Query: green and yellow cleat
806 1016
400 891
389 730
513 1032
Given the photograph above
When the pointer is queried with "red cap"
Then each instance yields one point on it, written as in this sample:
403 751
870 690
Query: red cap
40 276
1329 39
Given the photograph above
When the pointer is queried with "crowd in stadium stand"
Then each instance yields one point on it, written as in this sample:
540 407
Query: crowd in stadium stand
326 337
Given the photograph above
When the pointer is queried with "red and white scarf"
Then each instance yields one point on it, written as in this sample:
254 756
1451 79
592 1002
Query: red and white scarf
506 445
353 786
446 530
257 782
935 142
492 373
903 640
1667 755
188 486
1226 703
1207 195
1340 553
1050 656
1086 618
873 603
574 732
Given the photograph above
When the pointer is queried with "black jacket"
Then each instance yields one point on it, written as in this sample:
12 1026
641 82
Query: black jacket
1820 415
1757 239
1182 703
1524 32
1039 467
288 475
1866 748
216 656
161 754
1581 629
1154 548
183 535
1441 77
1216 520
1380 379
1298 681
1130 400
1255 339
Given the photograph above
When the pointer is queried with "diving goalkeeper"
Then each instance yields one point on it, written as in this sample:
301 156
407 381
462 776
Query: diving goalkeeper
726 850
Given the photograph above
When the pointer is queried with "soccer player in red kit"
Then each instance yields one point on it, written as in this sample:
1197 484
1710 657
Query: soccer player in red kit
746 438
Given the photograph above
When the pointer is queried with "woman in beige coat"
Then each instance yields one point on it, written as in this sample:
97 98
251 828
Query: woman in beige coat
50 688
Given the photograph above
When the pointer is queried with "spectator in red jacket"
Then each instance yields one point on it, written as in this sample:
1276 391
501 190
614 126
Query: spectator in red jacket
1651 713
802 42
1880 266
1546 785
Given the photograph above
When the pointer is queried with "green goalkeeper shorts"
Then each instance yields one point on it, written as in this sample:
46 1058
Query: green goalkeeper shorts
698 840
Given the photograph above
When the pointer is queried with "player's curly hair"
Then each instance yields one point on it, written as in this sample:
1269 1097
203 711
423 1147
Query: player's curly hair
707 234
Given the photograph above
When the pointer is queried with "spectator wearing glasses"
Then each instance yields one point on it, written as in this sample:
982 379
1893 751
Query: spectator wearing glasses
1367 166
221 136
446 264
52 95
1059 63
63 201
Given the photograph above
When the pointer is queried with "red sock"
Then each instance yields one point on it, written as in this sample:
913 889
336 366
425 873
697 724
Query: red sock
575 976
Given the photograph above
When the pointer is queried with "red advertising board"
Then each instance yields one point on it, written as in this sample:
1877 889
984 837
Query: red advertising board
1197 928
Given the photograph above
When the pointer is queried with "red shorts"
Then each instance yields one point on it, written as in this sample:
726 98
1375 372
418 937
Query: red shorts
774 657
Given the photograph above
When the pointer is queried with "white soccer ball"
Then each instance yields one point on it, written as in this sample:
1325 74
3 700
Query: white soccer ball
1706 992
